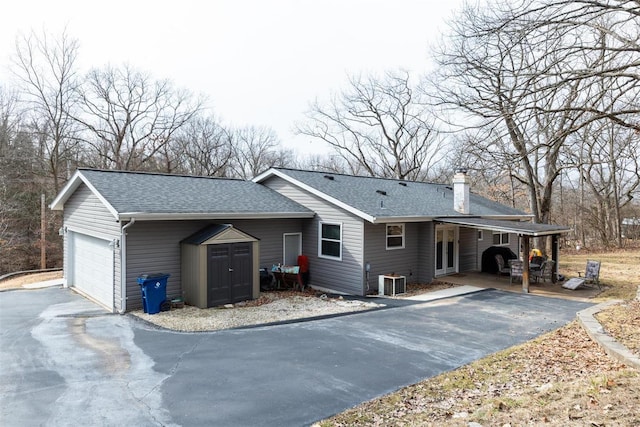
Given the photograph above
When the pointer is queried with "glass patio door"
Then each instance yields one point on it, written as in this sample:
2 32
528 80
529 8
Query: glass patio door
446 250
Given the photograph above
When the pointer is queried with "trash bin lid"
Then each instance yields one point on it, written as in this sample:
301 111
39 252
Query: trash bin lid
153 276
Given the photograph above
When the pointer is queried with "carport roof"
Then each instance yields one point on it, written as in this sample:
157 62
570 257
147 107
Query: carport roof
519 227
151 196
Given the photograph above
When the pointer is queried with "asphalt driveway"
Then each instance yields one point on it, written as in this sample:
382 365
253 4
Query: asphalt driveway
63 361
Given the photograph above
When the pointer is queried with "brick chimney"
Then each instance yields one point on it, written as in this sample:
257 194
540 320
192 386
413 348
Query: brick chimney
461 191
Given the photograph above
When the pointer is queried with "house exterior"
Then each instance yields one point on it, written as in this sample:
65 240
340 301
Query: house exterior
119 225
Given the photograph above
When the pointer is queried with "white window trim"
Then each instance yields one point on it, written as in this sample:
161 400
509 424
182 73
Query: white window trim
480 235
386 230
501 234
320 239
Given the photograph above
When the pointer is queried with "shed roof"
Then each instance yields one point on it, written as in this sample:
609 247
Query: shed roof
142 195
385 200
218 233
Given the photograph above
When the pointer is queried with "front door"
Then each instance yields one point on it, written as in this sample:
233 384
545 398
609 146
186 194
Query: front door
446 250
229 275
292 248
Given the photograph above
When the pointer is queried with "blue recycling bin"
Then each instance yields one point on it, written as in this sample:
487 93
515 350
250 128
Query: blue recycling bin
154 291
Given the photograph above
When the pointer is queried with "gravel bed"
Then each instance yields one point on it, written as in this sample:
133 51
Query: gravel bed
270 307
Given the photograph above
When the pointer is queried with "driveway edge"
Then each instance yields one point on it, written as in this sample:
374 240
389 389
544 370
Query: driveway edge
594 329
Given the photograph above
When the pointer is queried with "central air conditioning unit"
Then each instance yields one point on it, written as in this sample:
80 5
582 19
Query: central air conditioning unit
391 285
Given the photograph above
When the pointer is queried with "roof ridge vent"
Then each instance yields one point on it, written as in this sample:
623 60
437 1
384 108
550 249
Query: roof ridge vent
384 193
329 177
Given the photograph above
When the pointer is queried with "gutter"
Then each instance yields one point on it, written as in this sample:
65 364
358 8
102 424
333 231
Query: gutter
142 216
123 266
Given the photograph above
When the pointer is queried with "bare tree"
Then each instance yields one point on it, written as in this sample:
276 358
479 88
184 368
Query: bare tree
21 186
608 180
378 125
256 149
513 80
606 30
129 117
45 67
201 147
331 163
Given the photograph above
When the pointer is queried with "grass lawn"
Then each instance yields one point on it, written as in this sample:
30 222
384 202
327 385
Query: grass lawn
619 270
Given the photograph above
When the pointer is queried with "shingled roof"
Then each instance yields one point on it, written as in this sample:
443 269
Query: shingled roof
384 200
143 195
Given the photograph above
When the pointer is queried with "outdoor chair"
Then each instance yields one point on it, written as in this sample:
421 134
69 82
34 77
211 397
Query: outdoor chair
516 269
545 272
502 269
591 274
536 262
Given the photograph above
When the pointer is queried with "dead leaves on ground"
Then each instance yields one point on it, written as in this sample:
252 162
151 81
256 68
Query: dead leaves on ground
622 321
561 378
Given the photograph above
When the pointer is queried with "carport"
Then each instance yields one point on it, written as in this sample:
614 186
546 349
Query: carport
525 231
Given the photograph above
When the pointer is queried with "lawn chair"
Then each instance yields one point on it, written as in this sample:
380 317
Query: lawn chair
502 269
516 267
591 274
545 272
536 262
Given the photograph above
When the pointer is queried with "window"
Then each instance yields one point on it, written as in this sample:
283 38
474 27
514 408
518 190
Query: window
330 242
395 236
500 238
480 235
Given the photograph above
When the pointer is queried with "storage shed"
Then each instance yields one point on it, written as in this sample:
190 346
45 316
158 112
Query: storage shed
220 265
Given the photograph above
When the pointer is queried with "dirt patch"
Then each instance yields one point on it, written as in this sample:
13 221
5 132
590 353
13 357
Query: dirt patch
18 282
421 288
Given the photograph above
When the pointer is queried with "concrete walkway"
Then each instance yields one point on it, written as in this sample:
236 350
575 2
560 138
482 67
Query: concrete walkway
45 284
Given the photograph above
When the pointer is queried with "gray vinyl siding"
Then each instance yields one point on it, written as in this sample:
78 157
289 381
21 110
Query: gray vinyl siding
487 242
345 275
85 213
405 261
154 247
270 233
426 252
468 249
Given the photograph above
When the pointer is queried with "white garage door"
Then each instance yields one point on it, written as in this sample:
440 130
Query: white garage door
92 267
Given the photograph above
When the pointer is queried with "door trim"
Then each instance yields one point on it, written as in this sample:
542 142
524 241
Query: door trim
456 251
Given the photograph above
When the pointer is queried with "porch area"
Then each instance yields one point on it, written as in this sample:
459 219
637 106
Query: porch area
547 289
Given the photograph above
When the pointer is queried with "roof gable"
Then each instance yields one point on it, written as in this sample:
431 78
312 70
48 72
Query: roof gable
218 233
159 196
384 200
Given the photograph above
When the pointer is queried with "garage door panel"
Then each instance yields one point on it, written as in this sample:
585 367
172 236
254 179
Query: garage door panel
93 268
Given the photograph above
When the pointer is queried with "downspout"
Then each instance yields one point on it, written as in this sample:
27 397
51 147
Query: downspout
123 266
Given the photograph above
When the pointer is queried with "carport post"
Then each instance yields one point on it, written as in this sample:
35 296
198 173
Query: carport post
525 264
555 253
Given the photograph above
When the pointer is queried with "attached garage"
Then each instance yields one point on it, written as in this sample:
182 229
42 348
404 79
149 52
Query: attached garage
119 225
91 267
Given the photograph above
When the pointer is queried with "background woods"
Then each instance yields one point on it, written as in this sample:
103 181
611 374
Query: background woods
538 100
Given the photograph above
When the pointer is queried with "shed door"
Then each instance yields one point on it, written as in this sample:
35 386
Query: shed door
92 268
229 273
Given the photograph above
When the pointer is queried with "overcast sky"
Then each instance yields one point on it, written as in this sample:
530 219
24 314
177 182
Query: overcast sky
260 62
